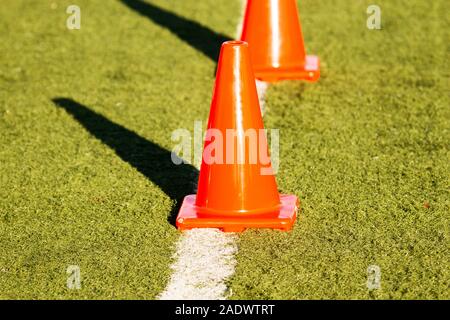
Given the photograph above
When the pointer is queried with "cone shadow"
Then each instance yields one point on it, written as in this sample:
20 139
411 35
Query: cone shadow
148 158
196 35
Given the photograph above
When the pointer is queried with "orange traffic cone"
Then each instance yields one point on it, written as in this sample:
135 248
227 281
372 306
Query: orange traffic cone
234 193
272 29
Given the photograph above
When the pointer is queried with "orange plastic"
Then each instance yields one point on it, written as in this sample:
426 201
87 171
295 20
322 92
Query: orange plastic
235 196
272 29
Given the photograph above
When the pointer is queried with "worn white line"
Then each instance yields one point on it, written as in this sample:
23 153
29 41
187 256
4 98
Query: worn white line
205 259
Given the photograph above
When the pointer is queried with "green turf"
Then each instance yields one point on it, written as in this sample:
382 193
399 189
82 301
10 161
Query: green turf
366 149
86 118
66 197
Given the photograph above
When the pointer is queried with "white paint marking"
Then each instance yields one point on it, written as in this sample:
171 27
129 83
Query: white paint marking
204 261
205 258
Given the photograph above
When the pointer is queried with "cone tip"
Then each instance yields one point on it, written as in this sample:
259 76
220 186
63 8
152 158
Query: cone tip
235 43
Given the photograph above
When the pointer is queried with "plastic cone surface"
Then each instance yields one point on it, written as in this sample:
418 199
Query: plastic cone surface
272 29
236 188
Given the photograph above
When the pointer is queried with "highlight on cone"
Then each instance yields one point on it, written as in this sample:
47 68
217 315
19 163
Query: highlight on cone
273 32
237 193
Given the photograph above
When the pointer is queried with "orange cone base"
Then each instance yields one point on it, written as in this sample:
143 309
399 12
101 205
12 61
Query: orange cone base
310 72
189 218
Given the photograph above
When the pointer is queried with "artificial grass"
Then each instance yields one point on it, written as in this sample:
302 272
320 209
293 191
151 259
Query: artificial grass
86 122
86 118
366 149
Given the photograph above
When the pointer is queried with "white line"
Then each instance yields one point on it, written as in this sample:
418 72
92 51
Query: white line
205 258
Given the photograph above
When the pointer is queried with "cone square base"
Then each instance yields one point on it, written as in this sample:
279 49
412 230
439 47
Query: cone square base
189 217
310 72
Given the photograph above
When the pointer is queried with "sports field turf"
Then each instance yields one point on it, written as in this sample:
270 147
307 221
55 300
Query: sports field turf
86 118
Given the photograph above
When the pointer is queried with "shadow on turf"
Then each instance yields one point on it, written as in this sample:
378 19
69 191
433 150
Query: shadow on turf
196 35
147 157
